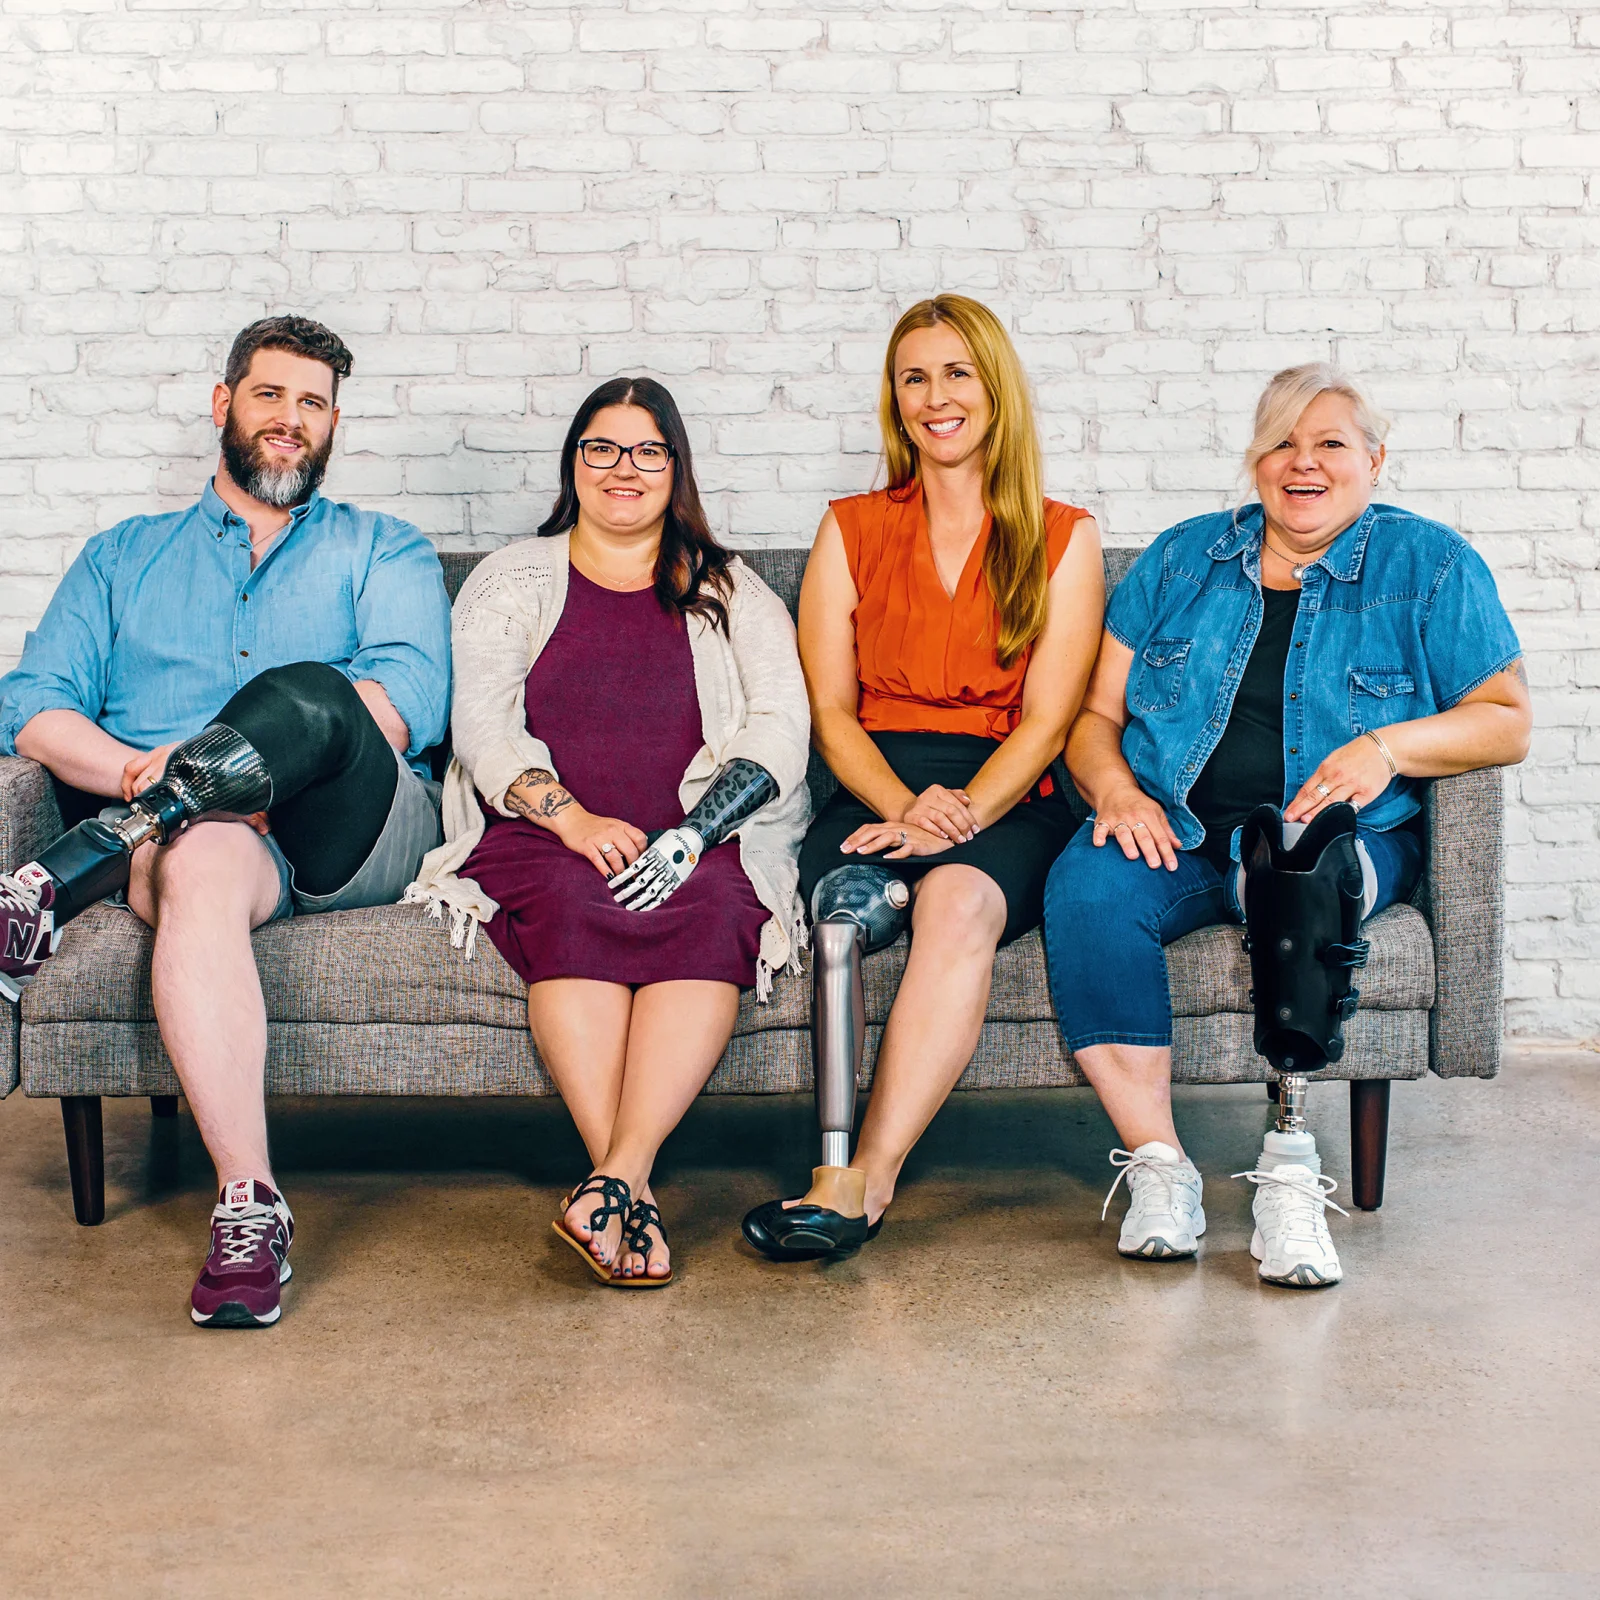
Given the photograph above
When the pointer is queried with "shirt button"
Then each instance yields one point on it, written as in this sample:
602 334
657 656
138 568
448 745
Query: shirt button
1294 697
1299 644
244 652
1294 749
244 597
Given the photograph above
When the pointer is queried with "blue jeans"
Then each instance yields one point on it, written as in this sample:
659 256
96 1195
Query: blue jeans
1106 919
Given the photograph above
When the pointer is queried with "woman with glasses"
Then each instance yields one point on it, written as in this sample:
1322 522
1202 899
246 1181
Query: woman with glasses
621 677
948 624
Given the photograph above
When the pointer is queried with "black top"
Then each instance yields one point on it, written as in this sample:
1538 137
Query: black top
1246 768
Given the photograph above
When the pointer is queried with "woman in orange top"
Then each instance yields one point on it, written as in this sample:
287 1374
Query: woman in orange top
948 625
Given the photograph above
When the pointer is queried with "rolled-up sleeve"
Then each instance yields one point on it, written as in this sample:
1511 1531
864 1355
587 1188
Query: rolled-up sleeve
1468 637
64 660
1132 606
403 628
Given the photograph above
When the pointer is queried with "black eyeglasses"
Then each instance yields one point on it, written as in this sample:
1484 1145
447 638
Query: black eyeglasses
651 456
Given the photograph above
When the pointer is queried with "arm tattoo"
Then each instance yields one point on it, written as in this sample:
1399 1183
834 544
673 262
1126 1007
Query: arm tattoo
545 805
1519 672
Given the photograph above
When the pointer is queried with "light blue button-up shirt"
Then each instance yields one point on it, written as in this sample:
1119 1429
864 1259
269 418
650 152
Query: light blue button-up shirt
160 620
1398 619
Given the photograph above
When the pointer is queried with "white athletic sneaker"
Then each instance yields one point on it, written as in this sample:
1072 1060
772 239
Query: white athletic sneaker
1164 1219
1291 1239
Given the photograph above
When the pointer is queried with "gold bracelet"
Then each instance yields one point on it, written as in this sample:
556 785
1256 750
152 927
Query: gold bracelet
1372 734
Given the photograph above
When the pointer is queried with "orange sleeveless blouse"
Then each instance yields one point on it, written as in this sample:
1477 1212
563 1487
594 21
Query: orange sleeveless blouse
925 659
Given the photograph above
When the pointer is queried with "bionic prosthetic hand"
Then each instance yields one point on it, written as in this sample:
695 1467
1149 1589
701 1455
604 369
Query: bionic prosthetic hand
737 792
275 738
855 910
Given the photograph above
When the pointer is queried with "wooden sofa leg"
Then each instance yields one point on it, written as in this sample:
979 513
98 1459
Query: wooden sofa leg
163 1105
1369 1140
86 1156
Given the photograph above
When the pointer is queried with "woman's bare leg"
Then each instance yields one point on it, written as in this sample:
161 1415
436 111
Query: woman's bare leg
934 1025
675 1039
580 1028
1134 1082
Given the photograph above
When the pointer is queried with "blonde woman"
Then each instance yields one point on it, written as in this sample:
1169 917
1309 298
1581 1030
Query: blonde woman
1310 651
948 625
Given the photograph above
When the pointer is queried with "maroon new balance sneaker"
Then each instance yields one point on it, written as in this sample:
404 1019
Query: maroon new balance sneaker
251 1231
28 933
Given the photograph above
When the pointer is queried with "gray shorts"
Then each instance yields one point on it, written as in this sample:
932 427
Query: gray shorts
409 833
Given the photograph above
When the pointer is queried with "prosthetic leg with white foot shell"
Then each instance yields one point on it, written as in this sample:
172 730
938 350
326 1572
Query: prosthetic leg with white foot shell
1305 890
855 910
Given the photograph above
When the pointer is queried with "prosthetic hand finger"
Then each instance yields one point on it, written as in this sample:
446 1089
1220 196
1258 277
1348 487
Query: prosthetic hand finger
672 856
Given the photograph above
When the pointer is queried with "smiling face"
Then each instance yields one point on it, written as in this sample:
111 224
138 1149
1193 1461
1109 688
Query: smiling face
942 402
621 500
277 426
1316 482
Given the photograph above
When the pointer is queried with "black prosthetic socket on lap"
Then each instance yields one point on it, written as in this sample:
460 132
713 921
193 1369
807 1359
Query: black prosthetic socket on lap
333 773
737 792
1302 907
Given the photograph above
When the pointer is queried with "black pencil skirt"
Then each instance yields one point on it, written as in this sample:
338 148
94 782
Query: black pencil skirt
1017 851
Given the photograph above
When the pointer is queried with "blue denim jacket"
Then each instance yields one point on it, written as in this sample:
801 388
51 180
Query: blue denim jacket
1399 618
160 620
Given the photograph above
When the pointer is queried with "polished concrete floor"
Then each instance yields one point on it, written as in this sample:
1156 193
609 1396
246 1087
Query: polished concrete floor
987 1401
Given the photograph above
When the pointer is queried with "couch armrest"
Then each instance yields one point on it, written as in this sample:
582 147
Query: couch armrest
29 816
1462 894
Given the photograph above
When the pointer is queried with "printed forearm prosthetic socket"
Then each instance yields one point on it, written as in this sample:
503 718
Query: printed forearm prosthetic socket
736 793
855 910
296 742
1304 893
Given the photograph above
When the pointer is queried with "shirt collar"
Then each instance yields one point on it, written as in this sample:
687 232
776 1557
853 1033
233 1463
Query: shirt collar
215 515
1342 559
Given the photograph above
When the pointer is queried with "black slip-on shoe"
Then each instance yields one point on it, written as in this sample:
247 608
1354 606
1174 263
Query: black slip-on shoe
805 1232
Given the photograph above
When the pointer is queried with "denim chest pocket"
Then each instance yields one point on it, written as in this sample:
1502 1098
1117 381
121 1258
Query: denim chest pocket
1156 684
1379 696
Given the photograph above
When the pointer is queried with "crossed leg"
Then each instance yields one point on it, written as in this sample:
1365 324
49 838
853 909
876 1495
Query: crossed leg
628 1064
203 893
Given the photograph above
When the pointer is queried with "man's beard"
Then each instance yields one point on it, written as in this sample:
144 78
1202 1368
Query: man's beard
272 483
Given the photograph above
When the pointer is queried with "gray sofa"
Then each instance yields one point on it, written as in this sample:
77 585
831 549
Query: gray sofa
377 1002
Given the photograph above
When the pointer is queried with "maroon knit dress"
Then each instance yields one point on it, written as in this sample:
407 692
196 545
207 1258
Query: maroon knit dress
613 696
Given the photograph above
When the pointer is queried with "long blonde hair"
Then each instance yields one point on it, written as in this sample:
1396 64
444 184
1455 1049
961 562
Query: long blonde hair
1016 562
1285 398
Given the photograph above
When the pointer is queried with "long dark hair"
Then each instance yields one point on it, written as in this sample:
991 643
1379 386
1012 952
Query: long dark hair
691 567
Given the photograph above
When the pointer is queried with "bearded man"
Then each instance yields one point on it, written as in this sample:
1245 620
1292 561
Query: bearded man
310 641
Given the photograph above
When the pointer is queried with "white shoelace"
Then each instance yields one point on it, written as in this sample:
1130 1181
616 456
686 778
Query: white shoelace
242 1235
1317 1190
13 897
1131 1163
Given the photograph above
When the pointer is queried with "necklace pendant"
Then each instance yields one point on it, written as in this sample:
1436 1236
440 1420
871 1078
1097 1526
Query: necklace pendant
1299 574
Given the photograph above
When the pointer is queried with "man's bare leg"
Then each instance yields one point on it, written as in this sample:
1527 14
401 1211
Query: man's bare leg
203 894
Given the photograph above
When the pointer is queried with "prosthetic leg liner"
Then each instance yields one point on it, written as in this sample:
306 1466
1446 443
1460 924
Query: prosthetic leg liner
333 772
1303 935
296 742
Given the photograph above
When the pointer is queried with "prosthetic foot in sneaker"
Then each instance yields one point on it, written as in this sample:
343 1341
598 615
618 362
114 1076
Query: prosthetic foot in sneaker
1164 1220
240 1284
1291 1240
28 934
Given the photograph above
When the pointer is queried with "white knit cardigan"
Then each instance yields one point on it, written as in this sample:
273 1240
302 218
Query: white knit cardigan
752 704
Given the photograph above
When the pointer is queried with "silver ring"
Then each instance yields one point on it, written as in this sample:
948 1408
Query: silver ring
1138 825
607 848
902 838
1323 790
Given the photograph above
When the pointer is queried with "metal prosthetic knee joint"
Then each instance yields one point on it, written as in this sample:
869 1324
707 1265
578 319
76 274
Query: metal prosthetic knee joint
216 773
1304 893
855 910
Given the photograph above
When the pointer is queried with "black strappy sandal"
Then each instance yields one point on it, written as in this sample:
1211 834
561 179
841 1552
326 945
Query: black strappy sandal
636 1237
618 1198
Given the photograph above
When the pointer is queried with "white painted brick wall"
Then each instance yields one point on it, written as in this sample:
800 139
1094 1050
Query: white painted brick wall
500 202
